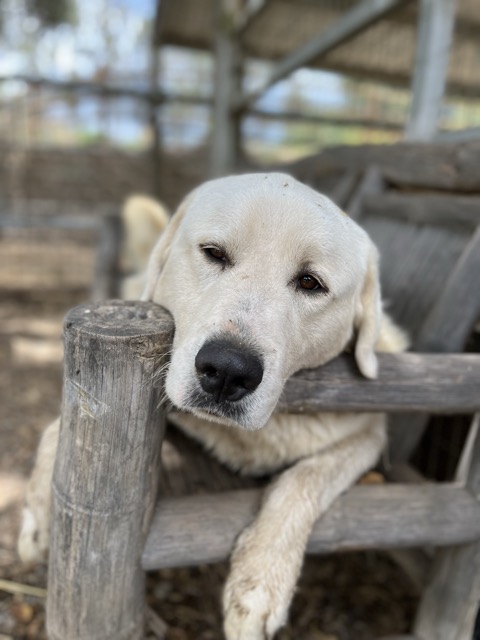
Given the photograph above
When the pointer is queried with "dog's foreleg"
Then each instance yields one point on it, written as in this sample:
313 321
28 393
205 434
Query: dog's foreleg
33 539
268 556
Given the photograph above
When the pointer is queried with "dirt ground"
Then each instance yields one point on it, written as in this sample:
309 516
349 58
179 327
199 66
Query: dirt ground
347 597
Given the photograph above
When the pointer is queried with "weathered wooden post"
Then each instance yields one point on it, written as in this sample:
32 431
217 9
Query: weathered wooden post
107 468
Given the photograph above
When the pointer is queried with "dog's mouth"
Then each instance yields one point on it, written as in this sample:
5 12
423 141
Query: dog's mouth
226 412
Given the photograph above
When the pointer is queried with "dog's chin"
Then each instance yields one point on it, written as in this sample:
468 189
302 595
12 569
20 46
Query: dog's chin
231 414
244 414
220 418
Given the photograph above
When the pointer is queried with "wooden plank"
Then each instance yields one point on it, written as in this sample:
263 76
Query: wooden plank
446 328
107 469
432 383
342 191
453 211
371 183
451 321
359 18
365 517
434 37
443 167
415 263
450 604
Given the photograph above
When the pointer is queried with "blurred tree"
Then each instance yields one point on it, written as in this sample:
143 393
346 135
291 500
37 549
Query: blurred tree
50 13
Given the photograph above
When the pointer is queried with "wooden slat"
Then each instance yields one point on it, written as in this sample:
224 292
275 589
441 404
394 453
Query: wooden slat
450 604
443 167
453 211
416 262
343 189
433 383
446 328
371 184
451 321
202 529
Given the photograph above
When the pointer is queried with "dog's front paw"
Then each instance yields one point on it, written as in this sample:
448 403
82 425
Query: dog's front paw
251 611
259 587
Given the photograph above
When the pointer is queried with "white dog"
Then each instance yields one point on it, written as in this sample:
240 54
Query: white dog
263 276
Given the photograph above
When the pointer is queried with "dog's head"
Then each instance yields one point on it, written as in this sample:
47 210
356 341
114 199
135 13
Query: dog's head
263 276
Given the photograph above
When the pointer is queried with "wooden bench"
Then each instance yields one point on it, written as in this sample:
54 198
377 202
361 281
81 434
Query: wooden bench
108 527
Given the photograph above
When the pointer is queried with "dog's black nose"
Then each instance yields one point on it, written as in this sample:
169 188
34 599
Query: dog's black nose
227 371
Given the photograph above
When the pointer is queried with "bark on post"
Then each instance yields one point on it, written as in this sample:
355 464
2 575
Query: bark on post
106 471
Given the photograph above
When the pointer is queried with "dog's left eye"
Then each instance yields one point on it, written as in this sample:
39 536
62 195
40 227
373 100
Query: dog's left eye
216 254
309 283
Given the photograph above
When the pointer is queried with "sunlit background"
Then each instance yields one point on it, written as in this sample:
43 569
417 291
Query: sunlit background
109 42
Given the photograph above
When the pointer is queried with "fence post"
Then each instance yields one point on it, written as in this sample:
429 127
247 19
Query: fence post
107 469
434 39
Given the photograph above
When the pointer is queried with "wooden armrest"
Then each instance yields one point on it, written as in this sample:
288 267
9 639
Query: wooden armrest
431 383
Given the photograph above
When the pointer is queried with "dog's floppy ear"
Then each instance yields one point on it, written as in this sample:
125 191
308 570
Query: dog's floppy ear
161 250
368 318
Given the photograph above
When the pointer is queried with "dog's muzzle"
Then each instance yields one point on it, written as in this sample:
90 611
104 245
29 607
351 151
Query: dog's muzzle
227 371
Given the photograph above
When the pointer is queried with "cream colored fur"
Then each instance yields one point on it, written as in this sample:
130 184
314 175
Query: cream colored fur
143 221
272 228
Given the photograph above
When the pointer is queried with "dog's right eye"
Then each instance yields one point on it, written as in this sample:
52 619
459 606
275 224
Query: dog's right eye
215 254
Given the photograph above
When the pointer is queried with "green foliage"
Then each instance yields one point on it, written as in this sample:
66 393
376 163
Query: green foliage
52 13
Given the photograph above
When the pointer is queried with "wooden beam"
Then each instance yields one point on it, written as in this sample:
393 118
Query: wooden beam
74 86
434 37
228 80
359 18
366 517
157 97
429 383
295 116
